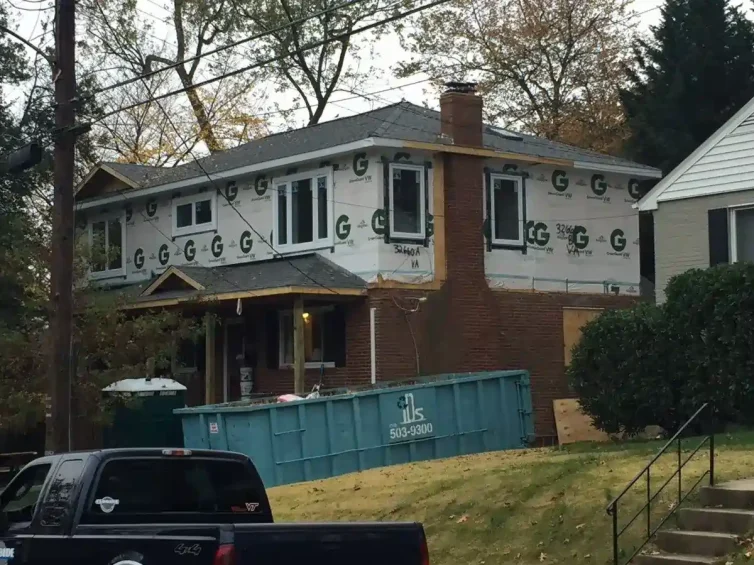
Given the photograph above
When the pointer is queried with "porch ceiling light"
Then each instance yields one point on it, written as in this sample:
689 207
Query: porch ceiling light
305 315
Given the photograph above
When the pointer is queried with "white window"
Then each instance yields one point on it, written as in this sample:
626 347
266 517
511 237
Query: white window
742 234
319 348
195 214
107 241
302 211
506 209
408 201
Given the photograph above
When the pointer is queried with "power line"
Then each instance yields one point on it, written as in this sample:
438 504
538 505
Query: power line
241 42
269 60
220 191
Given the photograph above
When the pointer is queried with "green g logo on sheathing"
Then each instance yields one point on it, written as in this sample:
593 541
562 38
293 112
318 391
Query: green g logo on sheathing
599 186
559 180
260 185
360 164
633 189
342 227
217 246
579 237
246 242
537 234
189 250
139 258
231 191
163 255
618 240
378 222
151 207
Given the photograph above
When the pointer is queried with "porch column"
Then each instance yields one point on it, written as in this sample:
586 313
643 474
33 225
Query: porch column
209 364
299 356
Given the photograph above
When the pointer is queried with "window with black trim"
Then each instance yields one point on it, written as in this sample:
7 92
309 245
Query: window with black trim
324 337
194 214
107 238
408 201
19 499
303 211
506 209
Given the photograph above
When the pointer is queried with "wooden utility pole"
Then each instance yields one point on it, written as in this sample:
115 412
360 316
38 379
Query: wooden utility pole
61 262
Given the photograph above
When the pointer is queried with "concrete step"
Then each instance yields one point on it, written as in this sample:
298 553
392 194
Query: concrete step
722 520
707 544
677 559
735 494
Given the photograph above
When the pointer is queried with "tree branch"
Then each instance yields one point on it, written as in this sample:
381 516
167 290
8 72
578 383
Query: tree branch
29 44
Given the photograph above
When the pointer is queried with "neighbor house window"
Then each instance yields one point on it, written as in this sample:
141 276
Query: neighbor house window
106 241
506 209
742 234
302 209
194 214
319 337
408 201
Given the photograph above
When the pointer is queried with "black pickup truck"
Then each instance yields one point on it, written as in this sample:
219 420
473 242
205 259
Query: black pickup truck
175 506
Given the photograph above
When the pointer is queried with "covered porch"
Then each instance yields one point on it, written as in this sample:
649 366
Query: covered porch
272 327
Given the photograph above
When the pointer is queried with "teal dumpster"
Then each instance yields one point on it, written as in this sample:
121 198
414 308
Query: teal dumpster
143 413
435 417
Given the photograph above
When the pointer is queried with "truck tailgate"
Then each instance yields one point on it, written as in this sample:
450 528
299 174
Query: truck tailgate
331 544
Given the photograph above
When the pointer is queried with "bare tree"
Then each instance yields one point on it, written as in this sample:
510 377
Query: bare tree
550 67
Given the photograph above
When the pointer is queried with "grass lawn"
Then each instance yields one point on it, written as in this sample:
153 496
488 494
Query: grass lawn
528 506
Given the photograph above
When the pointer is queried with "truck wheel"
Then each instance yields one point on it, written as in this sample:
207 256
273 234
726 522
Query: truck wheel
128 558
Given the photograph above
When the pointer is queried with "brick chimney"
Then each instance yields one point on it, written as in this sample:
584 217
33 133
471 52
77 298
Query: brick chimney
461 113
461 120
461 322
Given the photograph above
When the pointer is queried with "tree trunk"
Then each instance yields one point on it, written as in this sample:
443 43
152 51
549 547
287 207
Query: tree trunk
206 132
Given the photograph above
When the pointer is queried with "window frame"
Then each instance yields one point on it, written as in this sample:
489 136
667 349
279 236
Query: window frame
192 199
422 170
733 229
177 369
498 243
282 314
20 526
316 243
108 273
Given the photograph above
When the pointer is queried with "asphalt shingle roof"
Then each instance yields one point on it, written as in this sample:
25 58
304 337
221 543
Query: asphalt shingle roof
404 121
308 271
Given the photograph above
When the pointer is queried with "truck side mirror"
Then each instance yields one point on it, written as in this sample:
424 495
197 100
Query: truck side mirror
4 523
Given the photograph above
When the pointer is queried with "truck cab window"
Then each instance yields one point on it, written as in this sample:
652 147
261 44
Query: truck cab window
19 499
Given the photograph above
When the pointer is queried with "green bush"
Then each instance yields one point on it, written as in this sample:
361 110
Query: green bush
711 343
656 365
618 373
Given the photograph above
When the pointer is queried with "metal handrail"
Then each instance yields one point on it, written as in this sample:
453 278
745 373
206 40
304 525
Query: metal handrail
612 508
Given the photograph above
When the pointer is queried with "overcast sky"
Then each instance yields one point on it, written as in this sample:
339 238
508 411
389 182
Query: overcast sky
29 26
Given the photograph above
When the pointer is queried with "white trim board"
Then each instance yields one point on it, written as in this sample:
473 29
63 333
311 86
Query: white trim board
345 148
651 199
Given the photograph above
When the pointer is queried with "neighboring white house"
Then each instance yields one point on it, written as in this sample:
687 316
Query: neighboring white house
704 209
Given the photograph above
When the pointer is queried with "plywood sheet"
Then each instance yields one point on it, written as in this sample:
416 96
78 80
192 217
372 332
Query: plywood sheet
573 320
573 425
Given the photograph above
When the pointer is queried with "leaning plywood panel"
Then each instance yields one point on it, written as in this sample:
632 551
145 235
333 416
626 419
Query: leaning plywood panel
573 425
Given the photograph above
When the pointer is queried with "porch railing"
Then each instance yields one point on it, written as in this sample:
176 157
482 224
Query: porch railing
651 529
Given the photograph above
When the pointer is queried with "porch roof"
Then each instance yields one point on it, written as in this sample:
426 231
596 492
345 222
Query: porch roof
306 274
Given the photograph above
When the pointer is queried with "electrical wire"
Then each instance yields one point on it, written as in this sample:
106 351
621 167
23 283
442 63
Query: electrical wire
233 44
222 193
258 64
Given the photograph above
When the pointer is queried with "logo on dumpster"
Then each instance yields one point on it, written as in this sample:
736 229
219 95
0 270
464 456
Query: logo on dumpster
413 423
214 428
